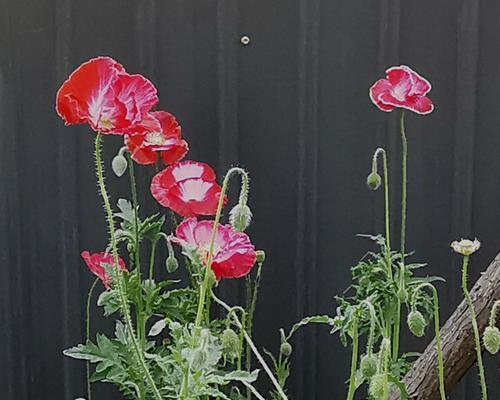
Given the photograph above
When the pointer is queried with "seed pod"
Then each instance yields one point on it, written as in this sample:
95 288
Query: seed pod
402 295
491 339
416 323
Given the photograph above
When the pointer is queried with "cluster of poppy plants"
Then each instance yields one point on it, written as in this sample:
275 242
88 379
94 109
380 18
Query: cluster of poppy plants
111 101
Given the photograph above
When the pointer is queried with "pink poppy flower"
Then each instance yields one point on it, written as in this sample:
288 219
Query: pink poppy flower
99 92
96 264
167 142
233 255
188 188
402 88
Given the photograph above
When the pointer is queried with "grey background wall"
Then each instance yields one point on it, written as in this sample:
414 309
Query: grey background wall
292 107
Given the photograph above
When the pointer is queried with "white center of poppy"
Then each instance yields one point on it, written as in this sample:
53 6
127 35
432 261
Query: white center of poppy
194 189
187 170
154 139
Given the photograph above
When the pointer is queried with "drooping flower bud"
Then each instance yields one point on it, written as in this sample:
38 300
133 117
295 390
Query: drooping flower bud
230 343
240 217
491 339
374 180
286 349
402 295
416 323
368 365
260 256
376 388
172 264
119 164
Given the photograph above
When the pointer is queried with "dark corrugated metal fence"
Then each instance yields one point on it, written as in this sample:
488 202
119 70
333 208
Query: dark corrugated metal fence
292 107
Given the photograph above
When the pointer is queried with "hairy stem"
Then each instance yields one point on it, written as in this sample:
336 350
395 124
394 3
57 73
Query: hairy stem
119 273
494 313
475 328
259 357
87 326
152 259
354 359
208 269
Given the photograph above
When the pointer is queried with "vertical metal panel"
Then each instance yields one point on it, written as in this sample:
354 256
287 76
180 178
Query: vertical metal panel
292 107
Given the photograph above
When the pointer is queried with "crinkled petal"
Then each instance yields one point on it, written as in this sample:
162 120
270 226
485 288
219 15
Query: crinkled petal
185 170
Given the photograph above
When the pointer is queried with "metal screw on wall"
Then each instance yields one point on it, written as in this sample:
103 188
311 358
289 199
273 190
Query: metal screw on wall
245 40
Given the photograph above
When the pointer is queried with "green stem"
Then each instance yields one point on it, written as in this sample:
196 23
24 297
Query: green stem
475 328
251 312
494 313
256 352
152 259
119 273
354 359
87 324
208 267
436 333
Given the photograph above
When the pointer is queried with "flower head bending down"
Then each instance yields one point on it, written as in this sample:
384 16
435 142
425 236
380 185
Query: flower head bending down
97 263
188 188
402 88
167 142
233 254
99 92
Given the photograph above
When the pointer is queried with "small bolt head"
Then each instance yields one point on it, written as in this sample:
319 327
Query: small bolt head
245 40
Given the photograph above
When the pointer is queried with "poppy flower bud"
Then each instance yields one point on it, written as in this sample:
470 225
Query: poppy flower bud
402 295
240 217
260 256
368 365
416 323
172 264
286 349
374 180
376 388
491 339
119 164
230 343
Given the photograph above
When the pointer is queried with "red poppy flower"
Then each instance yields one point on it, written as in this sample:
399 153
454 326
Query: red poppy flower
188 188
402 88
167 142
97 262
99 92
233 255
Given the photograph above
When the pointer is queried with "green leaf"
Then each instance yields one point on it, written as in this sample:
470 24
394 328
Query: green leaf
157 327
315 319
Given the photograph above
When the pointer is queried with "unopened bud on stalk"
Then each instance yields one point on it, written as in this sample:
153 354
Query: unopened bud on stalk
491 339
374 180
286 349
416 323
376 388
240 217
119 164
402 295
172 264
368 365
230 343
260 256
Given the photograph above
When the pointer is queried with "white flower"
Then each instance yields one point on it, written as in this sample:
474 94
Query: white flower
466 247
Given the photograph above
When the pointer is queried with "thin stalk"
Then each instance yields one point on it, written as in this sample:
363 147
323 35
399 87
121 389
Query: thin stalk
404 188
439 352
119 273
354 359
152 259
494 313
87 325
251 312
475 328
259 357
208 268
